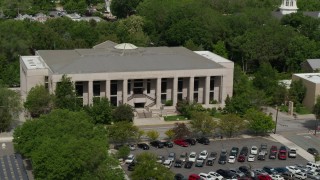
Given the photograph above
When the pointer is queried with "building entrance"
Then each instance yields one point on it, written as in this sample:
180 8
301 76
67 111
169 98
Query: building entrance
137 90
139 105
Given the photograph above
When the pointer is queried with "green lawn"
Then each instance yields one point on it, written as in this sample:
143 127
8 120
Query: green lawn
303 110
174 118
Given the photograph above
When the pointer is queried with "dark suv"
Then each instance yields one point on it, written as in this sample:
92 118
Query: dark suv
203 140
143 146
244 150
191 141
157 144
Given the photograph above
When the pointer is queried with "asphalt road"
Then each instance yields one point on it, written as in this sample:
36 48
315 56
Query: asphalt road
217 145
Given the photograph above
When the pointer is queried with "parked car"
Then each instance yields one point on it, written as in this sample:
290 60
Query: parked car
261 156
282 155
292 153
172 156
272 155
313 165
203 140
313 151
181 142
191 141
254 150
209 162
231 159
237 172
281 170
203 154
215 175
188 164
131 166
178 163
160 159
241 158
194 177
168 144
259 171
287 175
143 146
269 170
129 159
226 174
313 175
199 162
276 177
244 151
300 175
274 149
183 156
264 148
234 151
192 156
264 177
213 155
157 144
293 169
222 159
224 152
179 177
167 163
132 147
205 176
251 158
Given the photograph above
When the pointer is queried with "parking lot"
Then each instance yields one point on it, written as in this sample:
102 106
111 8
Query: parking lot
216 146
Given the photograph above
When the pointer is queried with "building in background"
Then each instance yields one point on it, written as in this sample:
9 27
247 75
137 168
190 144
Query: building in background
142 77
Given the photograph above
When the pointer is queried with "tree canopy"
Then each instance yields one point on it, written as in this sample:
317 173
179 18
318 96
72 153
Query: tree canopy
60 145
65 96
259 122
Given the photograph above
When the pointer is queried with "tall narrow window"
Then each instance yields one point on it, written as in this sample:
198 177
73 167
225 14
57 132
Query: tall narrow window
79 89
211 83
148 86
96 88
196 84
164 85
114 87
46 82
287 2
129 86
180 84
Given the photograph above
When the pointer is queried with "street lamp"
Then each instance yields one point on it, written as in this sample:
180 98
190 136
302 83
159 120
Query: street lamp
275 128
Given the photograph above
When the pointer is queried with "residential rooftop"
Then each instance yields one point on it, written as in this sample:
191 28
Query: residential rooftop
312 77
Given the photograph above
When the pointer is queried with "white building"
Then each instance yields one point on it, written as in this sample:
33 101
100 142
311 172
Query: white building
288 7
143 77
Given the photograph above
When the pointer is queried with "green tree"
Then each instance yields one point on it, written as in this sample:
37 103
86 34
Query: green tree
100 111
123 152
170 134
123 112
153 134
122 131
124 8
297 91
186 108
148 168
203 123
266 78
231 124
139 135
180 130
65 96
39 101
9 107
60 146
259 122
220 49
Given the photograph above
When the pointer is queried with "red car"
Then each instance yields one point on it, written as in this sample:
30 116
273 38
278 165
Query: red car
264 177
241 158
181 142
273 149
282 155
194 177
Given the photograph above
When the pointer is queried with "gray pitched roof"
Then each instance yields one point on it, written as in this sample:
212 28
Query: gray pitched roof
105 58
314 63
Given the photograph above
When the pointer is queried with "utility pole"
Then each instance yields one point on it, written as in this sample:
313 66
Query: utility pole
275 128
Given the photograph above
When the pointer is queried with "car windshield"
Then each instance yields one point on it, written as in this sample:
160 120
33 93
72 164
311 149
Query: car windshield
192 155
254 148
171 155
203 153
182 156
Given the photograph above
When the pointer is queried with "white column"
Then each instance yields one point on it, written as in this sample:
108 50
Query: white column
145 86
108 89
191 88
207 91
175 91
90 92
158 93
124 91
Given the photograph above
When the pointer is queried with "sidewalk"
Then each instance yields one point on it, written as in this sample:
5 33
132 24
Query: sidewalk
303 153
155 121
6 136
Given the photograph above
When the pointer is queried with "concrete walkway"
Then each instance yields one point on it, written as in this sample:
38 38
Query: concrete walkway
156 121
303 153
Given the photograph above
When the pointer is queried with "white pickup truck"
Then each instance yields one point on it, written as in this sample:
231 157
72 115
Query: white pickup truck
292 153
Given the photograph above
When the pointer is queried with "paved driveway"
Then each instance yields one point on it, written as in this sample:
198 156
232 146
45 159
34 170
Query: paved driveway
217 145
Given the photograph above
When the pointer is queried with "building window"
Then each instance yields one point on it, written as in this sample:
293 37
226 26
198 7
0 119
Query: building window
211 96
96 88
114 87
79 89
180 84
180 98
287 2
195 97
129 86
164 85
196 84
46 82
113 100
148 86
163 98
138 83
211 83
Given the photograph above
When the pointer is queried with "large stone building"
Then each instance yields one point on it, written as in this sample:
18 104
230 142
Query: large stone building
143 77
312 83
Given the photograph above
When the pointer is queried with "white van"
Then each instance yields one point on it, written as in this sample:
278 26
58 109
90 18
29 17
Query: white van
313 165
